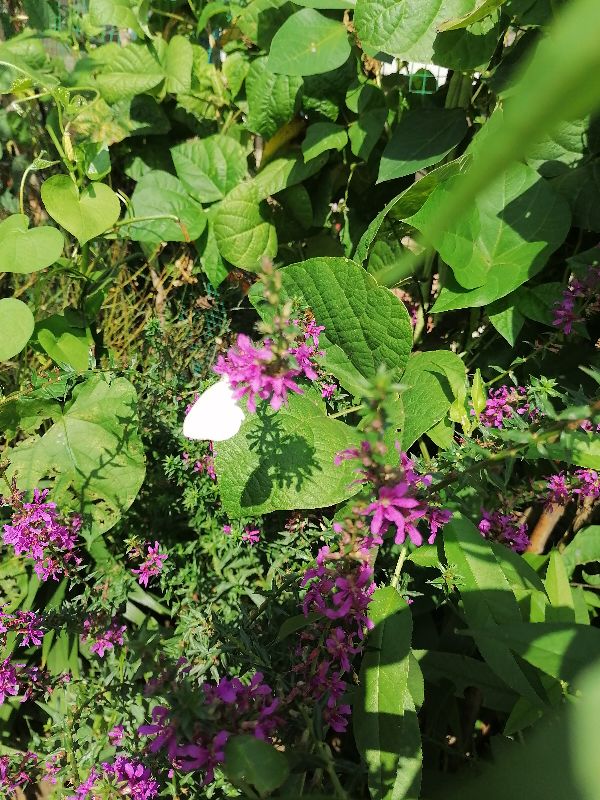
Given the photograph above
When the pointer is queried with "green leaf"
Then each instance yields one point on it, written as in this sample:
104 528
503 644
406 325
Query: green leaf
469 49
505 238
261 19
120 13
209 168
386 728
327 4
272 99
16 327
364 133
243 228
404 28
574 447
296 623
285 460
64 343
584 549
483 9
487 600
127 71
506 317
160 193
309 43
580 188
561 149
433 379
537 302
365 324
179 58
559 649
92 451
323 136
422 138
249 760
86 214
562 607
284 172
25 251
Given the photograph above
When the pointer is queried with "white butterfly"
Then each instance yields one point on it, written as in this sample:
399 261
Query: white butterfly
215 415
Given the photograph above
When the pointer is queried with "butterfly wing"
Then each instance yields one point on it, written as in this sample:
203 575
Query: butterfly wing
215 415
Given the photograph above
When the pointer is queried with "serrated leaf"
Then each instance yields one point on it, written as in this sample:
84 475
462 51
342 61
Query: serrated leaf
160 193
178 62
421 139
272 99
25 251
285 460
127 71
211 167
92 452
243 227
308 43
386 729
16 327
365 324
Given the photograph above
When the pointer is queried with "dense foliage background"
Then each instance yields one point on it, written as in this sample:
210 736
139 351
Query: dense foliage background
377 222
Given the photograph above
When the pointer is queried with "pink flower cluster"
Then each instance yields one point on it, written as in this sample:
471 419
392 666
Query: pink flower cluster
37 531
17 771
131 778
258 373
152 566
103 638
567 312
26 624
396 503
562 488
16 678
502 404
504 528
339 590
230 707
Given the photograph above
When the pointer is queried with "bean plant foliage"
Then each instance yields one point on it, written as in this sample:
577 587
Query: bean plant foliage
299 399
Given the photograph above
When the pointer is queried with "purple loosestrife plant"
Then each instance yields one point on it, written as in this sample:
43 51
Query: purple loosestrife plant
38 531
152 565
505 529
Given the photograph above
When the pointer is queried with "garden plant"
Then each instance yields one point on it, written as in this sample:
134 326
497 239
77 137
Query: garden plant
300 399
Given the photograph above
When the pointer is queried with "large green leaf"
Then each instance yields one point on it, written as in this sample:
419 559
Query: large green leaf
584 549
23 250
469 49
210 168
559 649
160 193
93 452
323 136
386 728
284 460
574 447
272 99
580 187
488 601
561 149
85 214
127 71
65 342
433 379
120 13
16 327
309 43
421 138
483 9
404 28
504 239
365 325
249 760
178 61
243 228
284 172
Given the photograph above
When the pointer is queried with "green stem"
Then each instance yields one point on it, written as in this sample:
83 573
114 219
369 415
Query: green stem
399 565
337 786
132 220
347 411
22 189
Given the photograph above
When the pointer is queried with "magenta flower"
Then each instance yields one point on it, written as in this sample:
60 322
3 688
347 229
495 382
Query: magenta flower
152 566
26 624
103 639
396 506
251 536
37 531
134 780
87 787
558 490
589 483
502 404
9 681
328 390
503 528
116 735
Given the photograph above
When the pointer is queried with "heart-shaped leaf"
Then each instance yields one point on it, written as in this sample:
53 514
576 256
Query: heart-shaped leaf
23 250
87 214
16 326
